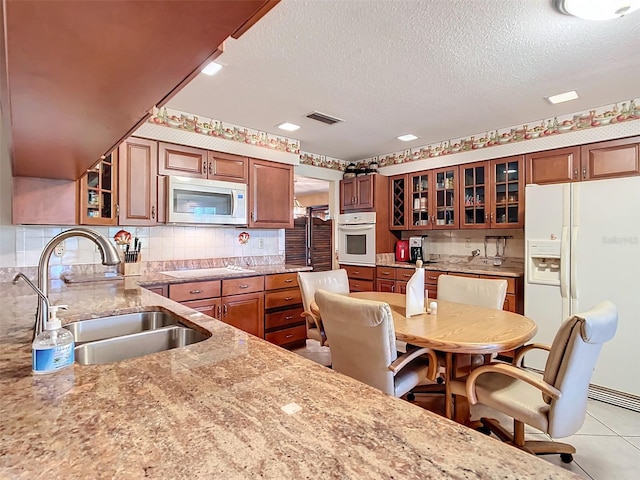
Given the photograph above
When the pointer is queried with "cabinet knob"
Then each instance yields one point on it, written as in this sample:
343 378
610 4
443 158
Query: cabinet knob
211 168
289 336
575 173
204 167
386 273
193 292
243 285
393 288
219 308
288 280
225 310
153 212
288 317
288 299
584 172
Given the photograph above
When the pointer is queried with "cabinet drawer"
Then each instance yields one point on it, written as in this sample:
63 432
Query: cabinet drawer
511 282
210 306
235 286
404 274
281 280
282 298
386 272
181 292
431 276
283 318
288 335
364 273
357 285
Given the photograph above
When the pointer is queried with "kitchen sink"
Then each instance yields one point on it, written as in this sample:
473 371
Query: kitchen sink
134 345
117 325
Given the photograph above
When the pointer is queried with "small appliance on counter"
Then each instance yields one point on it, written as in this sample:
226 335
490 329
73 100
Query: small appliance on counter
419 249
402 251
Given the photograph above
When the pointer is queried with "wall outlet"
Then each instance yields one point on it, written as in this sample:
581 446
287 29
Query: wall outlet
467 242
261 243
59 250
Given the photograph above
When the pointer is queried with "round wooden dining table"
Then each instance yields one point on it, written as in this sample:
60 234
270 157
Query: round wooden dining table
456 329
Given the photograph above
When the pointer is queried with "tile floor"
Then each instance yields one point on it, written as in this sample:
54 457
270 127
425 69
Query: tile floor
608 444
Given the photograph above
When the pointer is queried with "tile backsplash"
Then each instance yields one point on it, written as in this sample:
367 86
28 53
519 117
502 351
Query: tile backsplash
463 242
158 244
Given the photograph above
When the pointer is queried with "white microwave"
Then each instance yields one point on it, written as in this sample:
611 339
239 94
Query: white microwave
202 201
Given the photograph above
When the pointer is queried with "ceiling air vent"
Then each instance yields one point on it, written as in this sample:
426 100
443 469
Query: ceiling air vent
321 117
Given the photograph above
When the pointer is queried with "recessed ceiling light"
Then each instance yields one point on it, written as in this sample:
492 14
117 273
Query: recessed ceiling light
211 69
407 137
289 127
597 9
563 97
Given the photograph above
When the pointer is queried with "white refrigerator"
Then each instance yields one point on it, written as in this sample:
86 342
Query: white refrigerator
582 244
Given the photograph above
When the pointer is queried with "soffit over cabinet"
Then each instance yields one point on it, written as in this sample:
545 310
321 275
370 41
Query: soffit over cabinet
84 75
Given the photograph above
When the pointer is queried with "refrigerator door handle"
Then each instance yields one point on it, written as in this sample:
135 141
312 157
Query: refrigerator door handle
564 263
574 266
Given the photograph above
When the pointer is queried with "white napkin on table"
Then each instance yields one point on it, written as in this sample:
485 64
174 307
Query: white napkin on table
415 293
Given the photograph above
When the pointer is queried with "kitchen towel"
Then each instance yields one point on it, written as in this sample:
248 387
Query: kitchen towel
415 293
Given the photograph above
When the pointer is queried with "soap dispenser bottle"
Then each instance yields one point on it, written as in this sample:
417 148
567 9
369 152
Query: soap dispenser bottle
52 350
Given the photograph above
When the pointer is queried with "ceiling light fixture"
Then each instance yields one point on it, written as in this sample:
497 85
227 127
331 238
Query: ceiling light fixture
408 137
211 69
563 97
289 127
596 9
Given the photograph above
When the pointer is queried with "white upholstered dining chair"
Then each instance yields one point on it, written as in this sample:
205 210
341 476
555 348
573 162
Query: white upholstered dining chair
481 292
335 281
363 345
555 402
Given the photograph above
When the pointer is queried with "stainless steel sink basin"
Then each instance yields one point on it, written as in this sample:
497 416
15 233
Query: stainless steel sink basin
136 345
118 325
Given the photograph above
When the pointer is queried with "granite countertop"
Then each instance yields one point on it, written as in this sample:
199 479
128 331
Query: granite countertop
214 410
510 268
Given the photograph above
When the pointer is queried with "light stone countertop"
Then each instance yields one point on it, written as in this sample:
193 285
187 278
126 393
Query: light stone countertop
510 268
214 410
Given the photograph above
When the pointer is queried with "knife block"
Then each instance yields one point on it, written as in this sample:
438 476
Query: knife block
129 269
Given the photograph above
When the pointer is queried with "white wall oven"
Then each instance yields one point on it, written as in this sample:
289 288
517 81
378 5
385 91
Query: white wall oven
357 239
202 201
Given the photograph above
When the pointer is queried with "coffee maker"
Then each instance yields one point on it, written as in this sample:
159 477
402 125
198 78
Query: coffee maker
419 249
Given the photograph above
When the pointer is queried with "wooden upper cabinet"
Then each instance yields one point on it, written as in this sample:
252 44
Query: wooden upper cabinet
506 204
99 193
553 166
227 167
398 205
157 51
615 158
358 193
270 194
196 162
181 160
138 182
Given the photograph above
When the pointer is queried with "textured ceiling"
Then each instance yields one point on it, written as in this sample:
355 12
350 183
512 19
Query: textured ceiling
440 69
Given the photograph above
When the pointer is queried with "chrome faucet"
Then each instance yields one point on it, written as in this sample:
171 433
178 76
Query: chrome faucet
107 251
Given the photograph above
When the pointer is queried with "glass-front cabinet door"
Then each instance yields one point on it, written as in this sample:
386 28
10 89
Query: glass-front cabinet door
420 202
445 198
98 194
508 192
475 195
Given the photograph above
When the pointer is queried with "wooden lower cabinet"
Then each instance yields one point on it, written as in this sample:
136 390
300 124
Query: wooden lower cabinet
210 306
393 280
162 290
361 279
245 312
283 321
